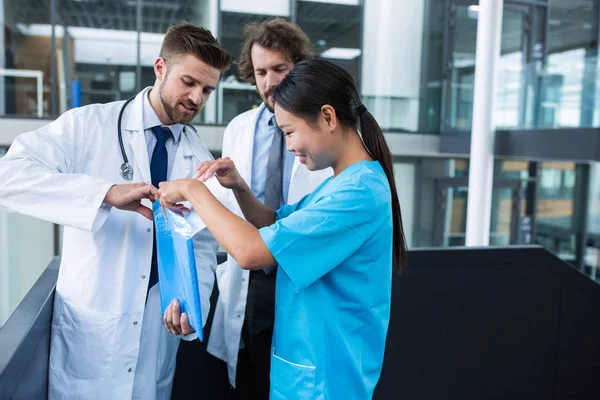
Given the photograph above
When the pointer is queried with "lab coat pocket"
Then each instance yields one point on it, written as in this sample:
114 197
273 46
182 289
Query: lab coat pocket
84 343
290 380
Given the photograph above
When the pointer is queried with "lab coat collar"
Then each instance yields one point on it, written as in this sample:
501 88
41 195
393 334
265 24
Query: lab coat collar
246 142
133 115
133 122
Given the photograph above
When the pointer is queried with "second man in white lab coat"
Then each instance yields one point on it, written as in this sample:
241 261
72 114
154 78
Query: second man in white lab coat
108 340
245 308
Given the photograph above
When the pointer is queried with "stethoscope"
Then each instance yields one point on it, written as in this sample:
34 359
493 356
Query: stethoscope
126 168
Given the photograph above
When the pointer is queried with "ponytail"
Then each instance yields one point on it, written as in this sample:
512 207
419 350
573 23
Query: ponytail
376 145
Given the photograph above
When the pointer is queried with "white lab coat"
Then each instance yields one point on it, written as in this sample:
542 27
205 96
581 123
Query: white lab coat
238 144
104 334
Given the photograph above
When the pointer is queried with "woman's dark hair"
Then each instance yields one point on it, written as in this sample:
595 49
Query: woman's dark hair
314 83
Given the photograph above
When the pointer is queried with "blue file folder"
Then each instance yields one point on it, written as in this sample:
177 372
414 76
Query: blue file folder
177 276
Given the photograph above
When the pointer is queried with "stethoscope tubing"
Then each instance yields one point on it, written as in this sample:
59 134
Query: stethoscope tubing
126 168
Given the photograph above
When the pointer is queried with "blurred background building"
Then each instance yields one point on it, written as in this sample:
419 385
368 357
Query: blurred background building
414 61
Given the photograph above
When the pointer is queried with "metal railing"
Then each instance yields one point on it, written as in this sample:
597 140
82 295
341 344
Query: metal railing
27 73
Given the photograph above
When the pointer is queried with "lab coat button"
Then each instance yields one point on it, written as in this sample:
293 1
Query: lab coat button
129 370
135 322
143 276
239 316
148 230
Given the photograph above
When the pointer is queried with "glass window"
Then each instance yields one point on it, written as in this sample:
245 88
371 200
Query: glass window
568 92
511 169
592 253
518 69
555 208
96 49
433 67
504 217
563 105
461 66
27 51
103 42
441 199
502 223
391 62
515 68
439 212
334 31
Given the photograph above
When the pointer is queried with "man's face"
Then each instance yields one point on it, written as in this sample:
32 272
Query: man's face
185 85
270 67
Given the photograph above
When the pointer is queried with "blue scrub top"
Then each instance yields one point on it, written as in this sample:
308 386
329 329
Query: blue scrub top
332 301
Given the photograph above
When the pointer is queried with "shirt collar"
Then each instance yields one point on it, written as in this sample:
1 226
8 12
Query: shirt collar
151 119
266 115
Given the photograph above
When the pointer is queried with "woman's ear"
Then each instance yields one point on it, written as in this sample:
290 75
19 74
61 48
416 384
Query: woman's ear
329 116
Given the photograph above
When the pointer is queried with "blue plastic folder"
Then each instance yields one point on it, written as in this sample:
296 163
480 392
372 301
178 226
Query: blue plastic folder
177 277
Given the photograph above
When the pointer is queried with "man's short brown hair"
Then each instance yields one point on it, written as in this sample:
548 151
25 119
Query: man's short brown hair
272 34
183 39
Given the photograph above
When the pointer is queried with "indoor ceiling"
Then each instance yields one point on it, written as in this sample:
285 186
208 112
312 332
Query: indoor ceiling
157 15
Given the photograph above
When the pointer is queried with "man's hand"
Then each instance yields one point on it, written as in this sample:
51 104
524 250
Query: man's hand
129 197
175 322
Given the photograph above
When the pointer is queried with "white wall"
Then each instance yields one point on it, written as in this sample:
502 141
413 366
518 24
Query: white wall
209 16
10 128
263 7
391 64
405 175
26 249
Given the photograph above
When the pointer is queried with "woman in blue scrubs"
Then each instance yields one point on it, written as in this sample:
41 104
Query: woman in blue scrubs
335 249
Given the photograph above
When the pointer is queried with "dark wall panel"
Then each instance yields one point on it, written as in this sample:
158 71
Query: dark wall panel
578 367
472 332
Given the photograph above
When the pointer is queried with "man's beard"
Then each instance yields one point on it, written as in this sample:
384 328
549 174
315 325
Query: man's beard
173 113
265 97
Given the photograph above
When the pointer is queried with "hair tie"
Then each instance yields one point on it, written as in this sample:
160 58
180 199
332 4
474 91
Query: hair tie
361 110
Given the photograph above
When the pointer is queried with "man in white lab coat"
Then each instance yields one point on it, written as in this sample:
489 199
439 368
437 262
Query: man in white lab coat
245 308
108 340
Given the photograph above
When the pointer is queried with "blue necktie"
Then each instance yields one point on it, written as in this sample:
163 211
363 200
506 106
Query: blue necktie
158 172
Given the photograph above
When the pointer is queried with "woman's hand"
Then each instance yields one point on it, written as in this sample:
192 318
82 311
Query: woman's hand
225 171
174 192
